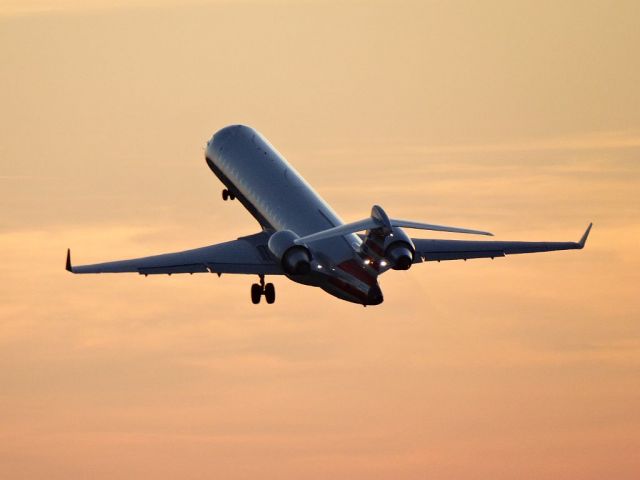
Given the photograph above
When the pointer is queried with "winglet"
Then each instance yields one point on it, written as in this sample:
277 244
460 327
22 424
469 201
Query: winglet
68 266
583 240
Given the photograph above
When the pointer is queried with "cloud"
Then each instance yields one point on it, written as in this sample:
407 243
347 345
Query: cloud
469 369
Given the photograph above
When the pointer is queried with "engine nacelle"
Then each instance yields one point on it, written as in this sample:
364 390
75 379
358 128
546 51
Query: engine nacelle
295 259
399 250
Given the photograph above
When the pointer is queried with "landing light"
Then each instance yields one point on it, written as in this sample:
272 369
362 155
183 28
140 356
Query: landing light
383 263
367 261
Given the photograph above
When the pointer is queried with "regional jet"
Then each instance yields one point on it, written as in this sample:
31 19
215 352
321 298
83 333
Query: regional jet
302 237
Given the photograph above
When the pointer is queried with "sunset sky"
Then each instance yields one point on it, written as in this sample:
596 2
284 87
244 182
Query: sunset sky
521 118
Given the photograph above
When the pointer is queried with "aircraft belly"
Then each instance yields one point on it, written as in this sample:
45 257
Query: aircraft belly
273 189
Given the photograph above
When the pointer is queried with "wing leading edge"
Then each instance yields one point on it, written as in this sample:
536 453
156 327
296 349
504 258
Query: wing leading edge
246 255
438 250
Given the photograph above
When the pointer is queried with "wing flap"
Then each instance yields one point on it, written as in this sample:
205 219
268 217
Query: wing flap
169 269
255 268
432 256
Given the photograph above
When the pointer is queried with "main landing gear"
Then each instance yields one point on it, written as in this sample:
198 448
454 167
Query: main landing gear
227 195
259 289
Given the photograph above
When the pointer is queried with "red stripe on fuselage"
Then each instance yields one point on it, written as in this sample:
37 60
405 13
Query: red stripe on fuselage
349 289
354 269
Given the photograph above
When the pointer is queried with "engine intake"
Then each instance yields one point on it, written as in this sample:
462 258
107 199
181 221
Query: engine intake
399 250
399 256
295 259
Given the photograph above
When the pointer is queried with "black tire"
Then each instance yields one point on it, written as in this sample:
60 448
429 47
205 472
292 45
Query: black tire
225 194
256 293
231 196
270 293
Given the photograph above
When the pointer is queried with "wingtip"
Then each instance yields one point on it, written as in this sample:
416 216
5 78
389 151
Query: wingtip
68 266
583 240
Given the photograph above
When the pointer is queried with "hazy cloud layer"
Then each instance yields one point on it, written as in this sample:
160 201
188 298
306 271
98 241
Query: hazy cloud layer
522 119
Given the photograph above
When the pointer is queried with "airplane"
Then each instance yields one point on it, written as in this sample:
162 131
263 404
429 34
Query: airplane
302 237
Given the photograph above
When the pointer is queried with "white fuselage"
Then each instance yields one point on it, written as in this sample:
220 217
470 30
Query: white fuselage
280 199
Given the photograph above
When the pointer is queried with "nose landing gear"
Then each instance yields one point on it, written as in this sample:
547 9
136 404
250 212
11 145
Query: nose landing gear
227 195
259 289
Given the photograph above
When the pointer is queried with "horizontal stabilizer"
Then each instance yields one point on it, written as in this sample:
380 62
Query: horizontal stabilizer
345 229
438 228
380 220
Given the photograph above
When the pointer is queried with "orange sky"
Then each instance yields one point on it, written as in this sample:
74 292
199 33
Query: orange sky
522 118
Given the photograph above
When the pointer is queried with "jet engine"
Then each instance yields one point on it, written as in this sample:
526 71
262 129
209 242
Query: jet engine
399 249
295 259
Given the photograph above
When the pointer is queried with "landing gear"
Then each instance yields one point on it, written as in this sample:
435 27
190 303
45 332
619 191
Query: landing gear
259 289
256 293
270 293
227 195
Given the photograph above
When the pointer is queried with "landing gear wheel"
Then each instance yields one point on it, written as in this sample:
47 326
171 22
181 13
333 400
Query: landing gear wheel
256 293
225 194
231 196
270 293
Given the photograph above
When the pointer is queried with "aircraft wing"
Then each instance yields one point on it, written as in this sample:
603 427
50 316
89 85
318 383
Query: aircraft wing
438 250
247 255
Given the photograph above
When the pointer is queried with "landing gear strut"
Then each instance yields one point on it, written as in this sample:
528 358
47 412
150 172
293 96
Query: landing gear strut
227 195
259 289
